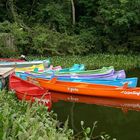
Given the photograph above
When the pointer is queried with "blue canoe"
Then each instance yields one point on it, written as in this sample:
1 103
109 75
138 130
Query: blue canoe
132 82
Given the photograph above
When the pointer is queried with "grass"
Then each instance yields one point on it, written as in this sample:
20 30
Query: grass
96 61
23 121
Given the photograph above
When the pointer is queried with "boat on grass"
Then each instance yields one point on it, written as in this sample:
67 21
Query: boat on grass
99 90
25 90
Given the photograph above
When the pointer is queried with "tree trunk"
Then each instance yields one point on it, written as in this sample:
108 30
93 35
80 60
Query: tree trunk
73 12
7 40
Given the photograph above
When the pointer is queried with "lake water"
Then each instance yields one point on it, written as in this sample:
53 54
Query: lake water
118 118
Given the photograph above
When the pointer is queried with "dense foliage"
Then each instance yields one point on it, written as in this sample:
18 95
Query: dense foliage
70 26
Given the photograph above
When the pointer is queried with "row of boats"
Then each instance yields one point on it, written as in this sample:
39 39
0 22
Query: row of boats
35 82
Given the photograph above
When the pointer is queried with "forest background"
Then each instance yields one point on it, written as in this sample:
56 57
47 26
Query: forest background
69 27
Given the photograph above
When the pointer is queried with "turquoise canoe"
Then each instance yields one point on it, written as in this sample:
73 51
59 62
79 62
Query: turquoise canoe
75 67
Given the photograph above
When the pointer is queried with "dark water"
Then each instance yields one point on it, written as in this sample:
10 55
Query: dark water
118 118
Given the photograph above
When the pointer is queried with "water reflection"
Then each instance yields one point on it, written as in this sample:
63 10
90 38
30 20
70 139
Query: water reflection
124 104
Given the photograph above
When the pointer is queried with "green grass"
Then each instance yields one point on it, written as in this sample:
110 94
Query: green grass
23 121
125 62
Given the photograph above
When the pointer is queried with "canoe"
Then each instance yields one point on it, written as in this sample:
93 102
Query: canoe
75 67
23 64
11 60
99 90
108 75
123 104
37 68
29 91
24 75
116 75
31 68
58 69
132 82
104 70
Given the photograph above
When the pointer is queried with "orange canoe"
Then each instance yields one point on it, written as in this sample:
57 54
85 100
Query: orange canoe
124 104
25 90
124 92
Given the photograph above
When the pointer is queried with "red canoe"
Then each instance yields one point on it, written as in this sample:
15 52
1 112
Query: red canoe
11 60
28 91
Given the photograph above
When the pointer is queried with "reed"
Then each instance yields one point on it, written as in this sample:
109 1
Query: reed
96 61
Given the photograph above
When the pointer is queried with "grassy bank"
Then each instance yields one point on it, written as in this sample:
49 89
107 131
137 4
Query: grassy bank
20 121
96 61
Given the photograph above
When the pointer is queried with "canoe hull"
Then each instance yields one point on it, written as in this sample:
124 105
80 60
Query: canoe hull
91 89
109 75
103 70
45 99
23 64
28 91
119 75
11 60
132 82
75 67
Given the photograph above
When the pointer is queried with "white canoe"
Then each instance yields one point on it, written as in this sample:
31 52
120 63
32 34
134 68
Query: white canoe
24 64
